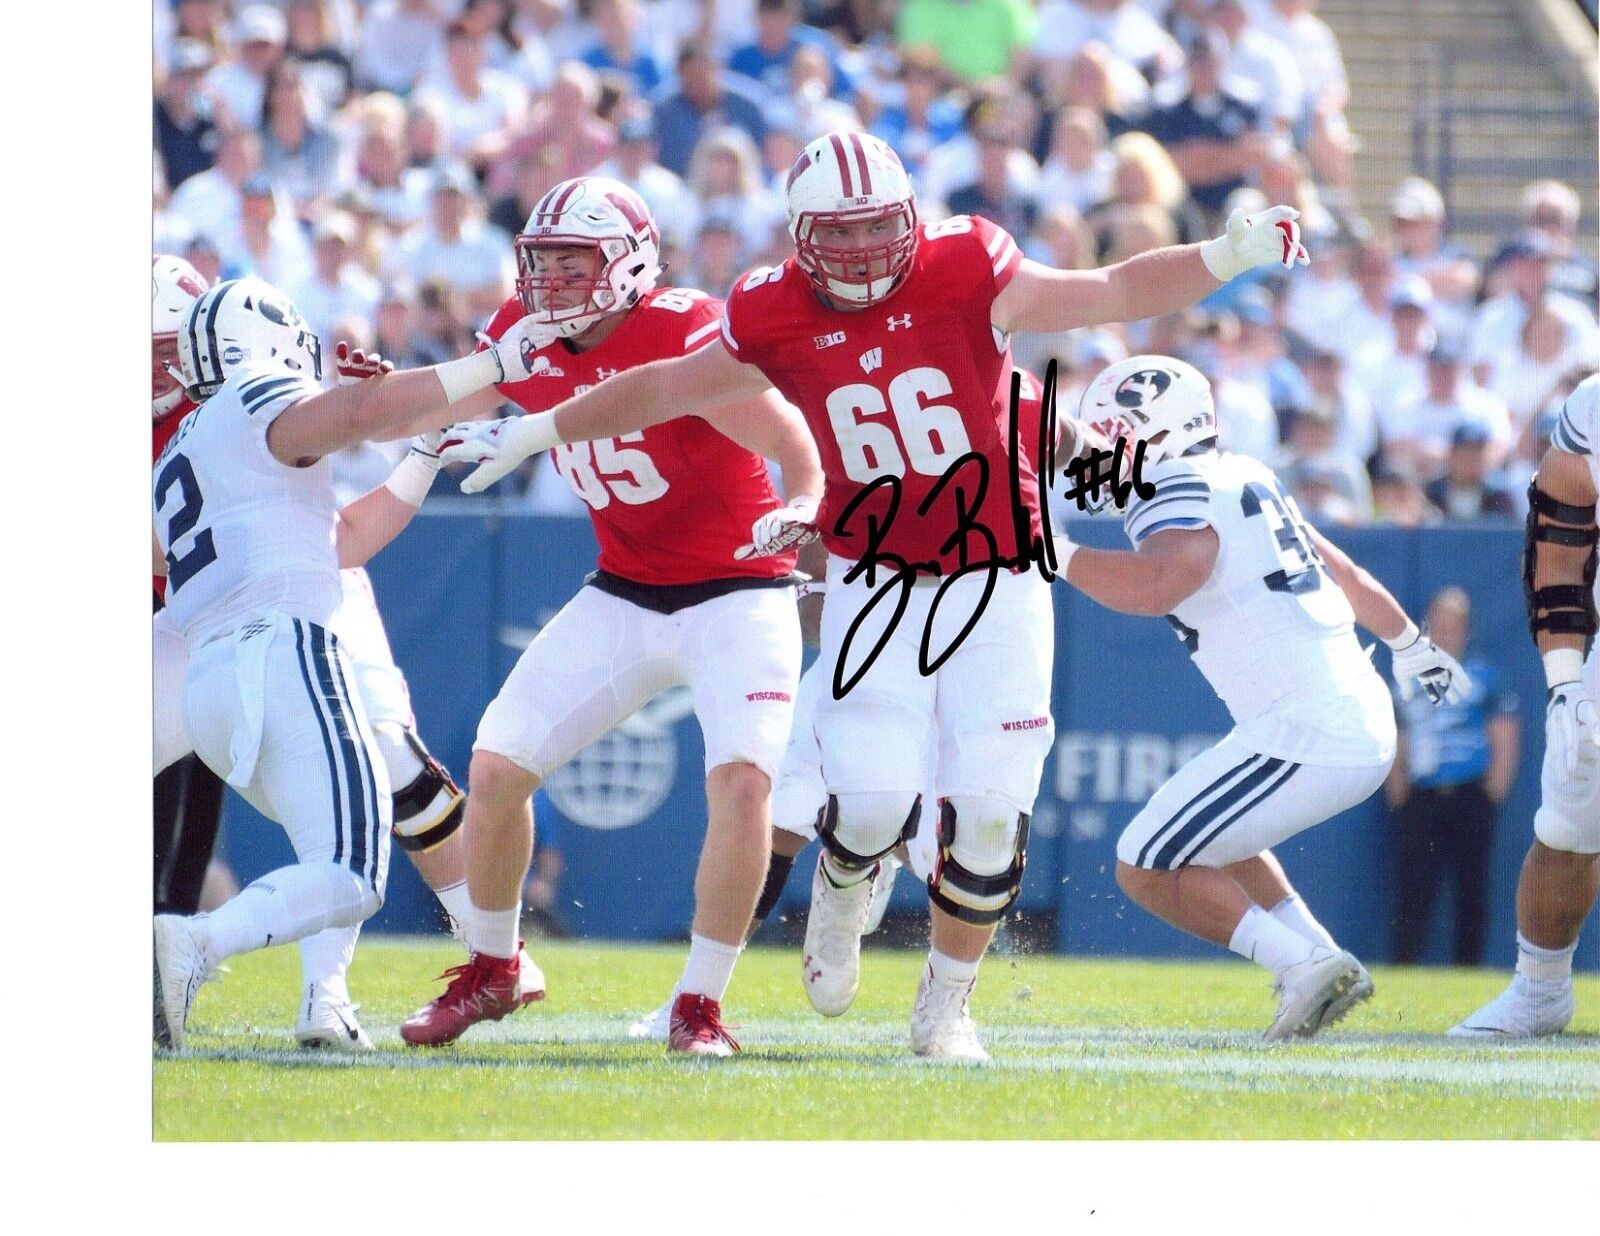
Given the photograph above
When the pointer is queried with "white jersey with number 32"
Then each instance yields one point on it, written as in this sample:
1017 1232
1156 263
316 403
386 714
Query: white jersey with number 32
1270 629
244 534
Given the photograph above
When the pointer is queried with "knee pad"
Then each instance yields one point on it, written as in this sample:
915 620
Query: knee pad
983 848
859 829
428 805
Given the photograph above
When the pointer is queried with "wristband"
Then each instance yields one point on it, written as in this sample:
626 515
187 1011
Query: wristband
533 434
1562 666
1065 548
412 478
1406 638
464 378
1220 259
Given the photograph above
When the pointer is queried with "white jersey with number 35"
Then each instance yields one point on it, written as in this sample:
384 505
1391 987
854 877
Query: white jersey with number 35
1270 629
242 533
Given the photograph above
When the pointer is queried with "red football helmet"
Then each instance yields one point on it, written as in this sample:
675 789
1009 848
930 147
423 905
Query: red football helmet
597 213
174 287
842 180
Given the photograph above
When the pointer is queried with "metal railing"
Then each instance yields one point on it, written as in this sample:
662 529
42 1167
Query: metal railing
1446 111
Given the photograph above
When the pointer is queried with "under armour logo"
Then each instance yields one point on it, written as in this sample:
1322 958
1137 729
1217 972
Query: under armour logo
602 374
871 359
904 320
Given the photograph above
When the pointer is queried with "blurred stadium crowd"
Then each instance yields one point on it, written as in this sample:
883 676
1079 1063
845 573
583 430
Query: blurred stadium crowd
373 158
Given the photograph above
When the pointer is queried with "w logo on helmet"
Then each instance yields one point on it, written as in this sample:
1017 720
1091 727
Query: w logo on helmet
1141 388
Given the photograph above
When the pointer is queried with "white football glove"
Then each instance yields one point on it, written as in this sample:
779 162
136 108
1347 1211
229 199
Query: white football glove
1267 238
497 447
1571 726
353 365
782 529
515 350
1419 660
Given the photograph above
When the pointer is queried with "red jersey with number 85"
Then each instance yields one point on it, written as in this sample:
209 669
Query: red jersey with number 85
672 502
903 388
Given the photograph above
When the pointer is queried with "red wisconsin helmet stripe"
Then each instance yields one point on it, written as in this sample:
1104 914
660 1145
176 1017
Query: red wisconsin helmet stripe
861 163
844 165
550 211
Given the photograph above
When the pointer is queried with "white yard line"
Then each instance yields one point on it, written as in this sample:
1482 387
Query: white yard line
1563 1069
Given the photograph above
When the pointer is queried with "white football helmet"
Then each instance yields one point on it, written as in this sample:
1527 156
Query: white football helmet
848 178
243 322
1158 400
595 212
174 287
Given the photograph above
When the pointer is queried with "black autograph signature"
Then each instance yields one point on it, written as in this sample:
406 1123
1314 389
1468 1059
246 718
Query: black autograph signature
966 483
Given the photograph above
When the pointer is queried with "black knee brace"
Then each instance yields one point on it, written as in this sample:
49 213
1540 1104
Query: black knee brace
1559 609
950 875
431 808
828 823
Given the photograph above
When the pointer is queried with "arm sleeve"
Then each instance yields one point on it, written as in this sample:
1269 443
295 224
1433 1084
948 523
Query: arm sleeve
1182 499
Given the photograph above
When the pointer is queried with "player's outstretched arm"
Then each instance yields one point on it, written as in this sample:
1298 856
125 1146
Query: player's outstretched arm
1374 605
1167 569
373 520
375 408
1042 298
1417 659
662 390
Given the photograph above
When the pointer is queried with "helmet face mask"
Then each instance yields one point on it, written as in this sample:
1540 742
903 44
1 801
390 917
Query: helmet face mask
174 287
1160 401
238 323
852 216
600 215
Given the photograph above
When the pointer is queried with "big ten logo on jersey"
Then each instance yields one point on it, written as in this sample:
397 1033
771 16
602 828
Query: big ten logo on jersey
1094 770
916 431
602 470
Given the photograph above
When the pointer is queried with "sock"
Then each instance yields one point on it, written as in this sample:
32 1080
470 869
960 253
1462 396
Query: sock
844 877
1297 917
946 969
1264 940
283 906
325 959
457 907
494 932
1544 965
709 968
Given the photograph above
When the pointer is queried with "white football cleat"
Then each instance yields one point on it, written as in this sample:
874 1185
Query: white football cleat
831 961
530 979
941 1022
180 968
655 1027
882 891
1524 1010
1308 989
327 1022
1360 992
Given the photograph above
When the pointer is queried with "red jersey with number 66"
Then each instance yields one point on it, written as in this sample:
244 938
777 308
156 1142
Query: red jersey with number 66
671 503
901 389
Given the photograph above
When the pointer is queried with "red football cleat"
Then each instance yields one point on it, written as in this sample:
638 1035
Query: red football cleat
696 1027
485 989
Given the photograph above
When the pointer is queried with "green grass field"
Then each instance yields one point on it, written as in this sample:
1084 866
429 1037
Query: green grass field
1082 1049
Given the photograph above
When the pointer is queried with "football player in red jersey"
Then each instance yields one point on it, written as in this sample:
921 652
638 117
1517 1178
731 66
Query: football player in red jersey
670 603
892 338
